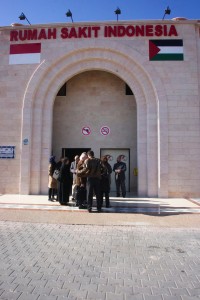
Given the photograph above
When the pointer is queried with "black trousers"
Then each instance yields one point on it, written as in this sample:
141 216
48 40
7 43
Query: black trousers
106 197
94 187
64 192
120 185
52 193
81 196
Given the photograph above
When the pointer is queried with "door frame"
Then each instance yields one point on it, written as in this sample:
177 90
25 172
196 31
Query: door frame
128 165
71 152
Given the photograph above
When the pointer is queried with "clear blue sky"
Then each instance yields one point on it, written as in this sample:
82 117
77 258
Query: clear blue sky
53 11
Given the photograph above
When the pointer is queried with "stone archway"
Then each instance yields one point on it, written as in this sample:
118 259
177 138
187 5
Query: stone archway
38 107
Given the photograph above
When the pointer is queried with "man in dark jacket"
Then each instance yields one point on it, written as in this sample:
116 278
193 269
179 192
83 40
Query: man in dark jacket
92 170
120 169
105 181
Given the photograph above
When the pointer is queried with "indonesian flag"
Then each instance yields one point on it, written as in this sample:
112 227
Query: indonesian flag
25 53
166 50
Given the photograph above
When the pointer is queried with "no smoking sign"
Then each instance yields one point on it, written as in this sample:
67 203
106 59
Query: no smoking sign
86 130
105 130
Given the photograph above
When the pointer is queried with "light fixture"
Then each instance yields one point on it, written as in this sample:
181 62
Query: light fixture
23 17
69 14
117 12
167 12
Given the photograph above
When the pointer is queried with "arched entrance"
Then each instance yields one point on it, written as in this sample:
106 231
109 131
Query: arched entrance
103 103
38 115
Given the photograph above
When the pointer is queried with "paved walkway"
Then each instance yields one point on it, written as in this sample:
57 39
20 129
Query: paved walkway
141 249
131 211
57 262
128 204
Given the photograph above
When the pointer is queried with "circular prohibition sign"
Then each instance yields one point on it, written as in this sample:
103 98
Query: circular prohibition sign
105 130
86 130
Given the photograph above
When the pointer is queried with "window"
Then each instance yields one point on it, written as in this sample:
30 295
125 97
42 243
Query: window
63 90
128 90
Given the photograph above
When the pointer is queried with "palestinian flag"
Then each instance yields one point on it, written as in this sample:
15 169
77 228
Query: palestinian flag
166 50
25 53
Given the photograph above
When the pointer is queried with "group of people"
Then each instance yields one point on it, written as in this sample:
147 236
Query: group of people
60 186
85 177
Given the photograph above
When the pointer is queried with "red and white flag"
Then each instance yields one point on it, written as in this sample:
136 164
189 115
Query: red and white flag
25 53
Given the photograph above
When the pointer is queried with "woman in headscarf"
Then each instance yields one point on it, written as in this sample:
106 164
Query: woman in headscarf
65 182
52 184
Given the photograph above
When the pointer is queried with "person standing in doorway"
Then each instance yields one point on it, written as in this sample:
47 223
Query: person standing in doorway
81 191
65 182
73 168
120 169
92 169
52 184
105 181
58 166
59 163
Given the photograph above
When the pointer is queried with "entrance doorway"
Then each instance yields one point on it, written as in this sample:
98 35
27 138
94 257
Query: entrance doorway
72 152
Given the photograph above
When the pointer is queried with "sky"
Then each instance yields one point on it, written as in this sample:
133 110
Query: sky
54 11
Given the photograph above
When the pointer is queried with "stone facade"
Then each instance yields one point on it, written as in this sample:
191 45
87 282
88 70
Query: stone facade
159 123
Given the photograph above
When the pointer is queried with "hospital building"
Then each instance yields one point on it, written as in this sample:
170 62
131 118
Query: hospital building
129 88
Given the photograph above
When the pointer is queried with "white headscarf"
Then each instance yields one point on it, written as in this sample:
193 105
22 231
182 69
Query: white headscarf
83 156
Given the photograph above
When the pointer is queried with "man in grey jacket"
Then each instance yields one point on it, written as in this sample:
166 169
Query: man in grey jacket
73 168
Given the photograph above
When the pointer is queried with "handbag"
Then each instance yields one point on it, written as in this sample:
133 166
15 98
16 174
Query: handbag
56 174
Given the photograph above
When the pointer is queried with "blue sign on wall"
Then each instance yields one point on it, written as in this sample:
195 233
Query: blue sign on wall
7 151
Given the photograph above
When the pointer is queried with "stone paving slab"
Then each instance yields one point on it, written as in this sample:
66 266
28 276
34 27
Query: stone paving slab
130 200
58 261
128 209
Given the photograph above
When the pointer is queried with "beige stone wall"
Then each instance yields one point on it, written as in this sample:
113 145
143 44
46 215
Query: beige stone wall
13 82
182 88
